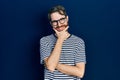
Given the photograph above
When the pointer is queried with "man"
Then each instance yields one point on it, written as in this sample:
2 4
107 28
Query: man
62 53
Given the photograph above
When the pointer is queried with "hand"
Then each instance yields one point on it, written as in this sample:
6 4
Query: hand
63 35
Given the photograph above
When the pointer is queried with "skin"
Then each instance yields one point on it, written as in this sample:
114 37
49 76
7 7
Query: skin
52 62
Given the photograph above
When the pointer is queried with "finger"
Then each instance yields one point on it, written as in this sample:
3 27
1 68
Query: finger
66 28
55 30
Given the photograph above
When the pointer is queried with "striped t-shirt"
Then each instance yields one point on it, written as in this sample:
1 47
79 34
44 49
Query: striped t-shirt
73 51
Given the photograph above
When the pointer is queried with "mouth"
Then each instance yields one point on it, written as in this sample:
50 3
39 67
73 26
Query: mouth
61 28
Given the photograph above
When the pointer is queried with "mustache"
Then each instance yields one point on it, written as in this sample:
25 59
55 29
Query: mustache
62 26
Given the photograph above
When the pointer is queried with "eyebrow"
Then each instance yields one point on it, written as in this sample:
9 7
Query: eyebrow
58 19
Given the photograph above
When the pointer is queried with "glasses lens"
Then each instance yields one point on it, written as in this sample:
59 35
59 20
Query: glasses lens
54 23
62 20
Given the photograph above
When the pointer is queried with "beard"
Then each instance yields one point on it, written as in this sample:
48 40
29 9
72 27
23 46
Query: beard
62 27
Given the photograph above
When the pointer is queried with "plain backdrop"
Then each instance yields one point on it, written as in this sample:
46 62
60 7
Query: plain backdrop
24 22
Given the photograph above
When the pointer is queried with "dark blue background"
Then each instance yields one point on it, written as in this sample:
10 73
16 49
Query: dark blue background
24 22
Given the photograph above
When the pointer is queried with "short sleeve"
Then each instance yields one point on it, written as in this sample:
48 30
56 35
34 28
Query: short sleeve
80 51
45 49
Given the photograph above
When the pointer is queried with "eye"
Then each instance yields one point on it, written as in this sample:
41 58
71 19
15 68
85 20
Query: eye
54 22
62 20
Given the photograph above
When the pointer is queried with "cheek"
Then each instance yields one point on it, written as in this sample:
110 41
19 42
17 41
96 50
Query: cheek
66 23
53 26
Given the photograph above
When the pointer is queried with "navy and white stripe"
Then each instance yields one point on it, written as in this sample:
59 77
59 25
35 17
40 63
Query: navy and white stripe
73 51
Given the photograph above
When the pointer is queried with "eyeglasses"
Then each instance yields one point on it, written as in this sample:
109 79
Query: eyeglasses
55 22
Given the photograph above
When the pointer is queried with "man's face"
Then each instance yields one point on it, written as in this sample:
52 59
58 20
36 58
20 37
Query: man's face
58 21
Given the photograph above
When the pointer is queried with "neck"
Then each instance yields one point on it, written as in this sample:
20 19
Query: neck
67 33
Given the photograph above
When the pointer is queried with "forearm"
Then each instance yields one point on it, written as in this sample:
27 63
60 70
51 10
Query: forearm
70 70
53 59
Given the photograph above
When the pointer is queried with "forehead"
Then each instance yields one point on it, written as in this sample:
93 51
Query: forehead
56 16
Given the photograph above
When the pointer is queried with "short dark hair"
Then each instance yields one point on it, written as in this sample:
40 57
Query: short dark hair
59 8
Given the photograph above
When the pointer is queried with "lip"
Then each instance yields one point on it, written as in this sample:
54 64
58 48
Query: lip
60 28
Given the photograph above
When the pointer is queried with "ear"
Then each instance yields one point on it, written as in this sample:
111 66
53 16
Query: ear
67 18
50 23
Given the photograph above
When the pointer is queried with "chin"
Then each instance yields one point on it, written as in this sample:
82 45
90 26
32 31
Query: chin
59 30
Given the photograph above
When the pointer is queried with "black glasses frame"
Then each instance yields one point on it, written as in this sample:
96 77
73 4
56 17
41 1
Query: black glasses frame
61 21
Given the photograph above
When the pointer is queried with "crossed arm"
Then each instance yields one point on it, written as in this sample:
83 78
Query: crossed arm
52 63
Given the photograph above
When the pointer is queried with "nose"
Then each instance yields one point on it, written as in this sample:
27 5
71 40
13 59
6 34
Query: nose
59 23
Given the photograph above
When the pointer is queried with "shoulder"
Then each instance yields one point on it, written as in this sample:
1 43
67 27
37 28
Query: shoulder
79 42
77 39
46 38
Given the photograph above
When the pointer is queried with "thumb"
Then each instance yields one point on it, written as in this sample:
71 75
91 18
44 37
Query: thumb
66 28
55 30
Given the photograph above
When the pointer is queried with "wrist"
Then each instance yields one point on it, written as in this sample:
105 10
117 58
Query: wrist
60 40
